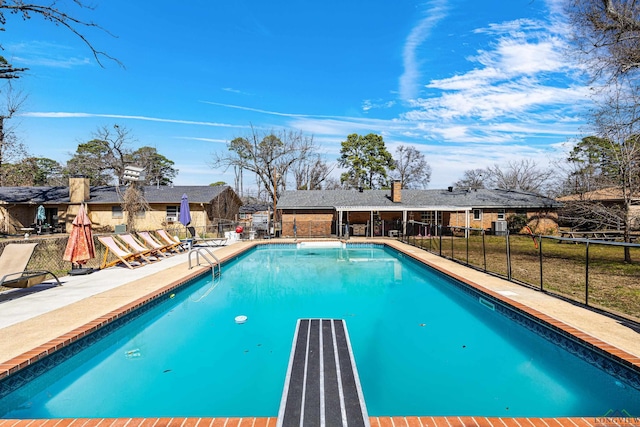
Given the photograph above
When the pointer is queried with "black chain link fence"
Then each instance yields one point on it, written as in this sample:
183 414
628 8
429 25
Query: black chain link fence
604 275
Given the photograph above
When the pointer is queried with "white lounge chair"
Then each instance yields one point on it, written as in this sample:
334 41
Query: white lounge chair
137 247
209 241
13 267
124 256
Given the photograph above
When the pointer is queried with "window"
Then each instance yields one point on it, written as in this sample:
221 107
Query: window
116 212
477 214
431 217
501 214
242 215
173 211
141 213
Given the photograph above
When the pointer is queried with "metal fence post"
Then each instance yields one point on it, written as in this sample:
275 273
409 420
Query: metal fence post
484 251
440 233
466 233
540 252
451 230
586 274
508 257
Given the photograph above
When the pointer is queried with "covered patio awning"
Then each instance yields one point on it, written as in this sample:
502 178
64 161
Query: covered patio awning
402 209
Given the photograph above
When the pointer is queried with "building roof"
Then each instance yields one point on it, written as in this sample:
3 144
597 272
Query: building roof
413 199
110 194
610 194
255 207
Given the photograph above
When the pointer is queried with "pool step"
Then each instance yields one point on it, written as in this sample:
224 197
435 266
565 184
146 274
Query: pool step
322 387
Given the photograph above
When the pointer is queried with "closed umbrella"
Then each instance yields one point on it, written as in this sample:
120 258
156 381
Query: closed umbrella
185 213
80 246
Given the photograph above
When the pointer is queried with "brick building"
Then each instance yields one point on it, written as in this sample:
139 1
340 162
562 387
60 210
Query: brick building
387 212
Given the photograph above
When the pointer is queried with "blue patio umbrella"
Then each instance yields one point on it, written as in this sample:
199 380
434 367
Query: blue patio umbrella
185 213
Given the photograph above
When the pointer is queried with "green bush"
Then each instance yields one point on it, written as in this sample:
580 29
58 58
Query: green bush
515 223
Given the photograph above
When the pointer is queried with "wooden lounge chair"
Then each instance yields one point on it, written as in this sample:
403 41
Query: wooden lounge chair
152 242
13 267
130 259
175 243
137 247
209 241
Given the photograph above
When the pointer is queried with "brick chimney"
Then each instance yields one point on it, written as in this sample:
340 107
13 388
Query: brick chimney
396 191
78 189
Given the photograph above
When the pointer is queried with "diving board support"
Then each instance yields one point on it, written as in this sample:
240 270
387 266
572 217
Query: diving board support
322 387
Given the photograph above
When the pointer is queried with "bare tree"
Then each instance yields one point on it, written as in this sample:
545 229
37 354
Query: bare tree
133 203
411 168
104 158
10 147
522 175
607 40
606 34
473 178
49 11
310 173
270 156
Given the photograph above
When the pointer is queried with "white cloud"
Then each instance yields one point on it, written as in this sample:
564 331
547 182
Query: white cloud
67 115
520 87
45 54
434 12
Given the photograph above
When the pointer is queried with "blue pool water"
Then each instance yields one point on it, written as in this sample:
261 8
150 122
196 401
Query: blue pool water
423 346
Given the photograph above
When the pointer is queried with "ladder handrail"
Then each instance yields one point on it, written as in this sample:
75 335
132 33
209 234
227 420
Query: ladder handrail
212 264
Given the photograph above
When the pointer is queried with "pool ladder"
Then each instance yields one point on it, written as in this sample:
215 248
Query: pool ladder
198 252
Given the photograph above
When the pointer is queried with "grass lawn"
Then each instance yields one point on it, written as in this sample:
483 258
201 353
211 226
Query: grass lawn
614 285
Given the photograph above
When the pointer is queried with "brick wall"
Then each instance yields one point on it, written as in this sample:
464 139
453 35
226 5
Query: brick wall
308 224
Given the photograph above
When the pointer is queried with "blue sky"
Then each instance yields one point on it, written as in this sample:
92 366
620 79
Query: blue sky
469 83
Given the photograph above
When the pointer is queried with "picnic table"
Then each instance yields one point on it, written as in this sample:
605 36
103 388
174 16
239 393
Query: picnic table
606 235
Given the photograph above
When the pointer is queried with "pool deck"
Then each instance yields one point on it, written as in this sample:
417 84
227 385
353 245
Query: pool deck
41 320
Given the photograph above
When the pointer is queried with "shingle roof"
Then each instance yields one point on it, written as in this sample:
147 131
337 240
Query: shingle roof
110 194
611 194
255 207
413 199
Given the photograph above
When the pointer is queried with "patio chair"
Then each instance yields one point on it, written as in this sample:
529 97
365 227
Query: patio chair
137 247
128 258
209 241
152 242
13 267
174 242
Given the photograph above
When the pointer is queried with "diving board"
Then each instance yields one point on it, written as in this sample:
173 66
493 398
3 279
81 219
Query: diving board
322 387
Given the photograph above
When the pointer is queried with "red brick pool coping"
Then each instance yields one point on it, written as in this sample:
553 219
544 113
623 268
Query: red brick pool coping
375 422
14 365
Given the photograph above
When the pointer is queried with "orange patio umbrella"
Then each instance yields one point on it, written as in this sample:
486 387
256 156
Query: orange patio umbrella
80 246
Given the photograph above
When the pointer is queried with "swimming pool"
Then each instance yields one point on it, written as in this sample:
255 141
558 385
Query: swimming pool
424 344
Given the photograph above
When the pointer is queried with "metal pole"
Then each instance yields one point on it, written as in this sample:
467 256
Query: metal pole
586 275
451 230
484 250
466 233
440 233
508 257
540 248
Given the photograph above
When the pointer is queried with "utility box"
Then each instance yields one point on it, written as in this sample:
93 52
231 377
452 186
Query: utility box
120 228
260 222
499 228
